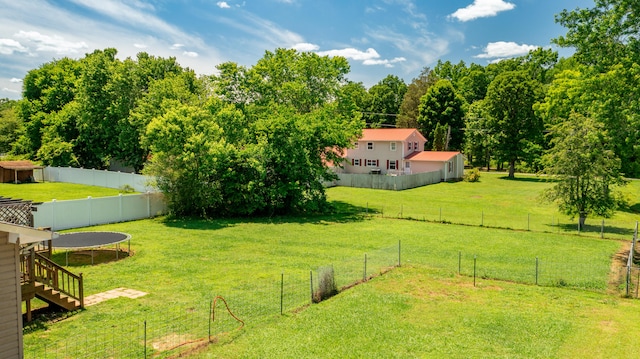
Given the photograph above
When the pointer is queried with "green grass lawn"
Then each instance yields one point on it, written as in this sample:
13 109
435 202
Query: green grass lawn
184 264
427 308
495 201
418 312
45 192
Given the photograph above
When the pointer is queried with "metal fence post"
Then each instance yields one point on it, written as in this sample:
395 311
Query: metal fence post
210 317
281 293
474 270
364 274
311 283
145 339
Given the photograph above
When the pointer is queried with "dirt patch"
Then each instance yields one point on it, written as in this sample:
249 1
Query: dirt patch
173 341
617 273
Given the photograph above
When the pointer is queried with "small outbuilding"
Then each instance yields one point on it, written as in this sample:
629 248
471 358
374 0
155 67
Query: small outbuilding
17 171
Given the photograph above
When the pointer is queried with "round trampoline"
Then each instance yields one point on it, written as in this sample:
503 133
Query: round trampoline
90 240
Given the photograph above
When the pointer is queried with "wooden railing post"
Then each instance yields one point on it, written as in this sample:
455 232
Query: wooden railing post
81 291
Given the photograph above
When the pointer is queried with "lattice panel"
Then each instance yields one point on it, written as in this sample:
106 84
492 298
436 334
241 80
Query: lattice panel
16 211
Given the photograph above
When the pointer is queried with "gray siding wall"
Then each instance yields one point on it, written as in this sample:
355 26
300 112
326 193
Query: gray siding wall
11 308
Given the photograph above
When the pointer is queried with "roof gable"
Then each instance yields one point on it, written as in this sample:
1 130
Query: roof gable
391 134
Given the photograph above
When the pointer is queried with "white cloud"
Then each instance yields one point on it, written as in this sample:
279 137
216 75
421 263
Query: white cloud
422 48
305 47
482 8
190 53
55 43
386 63
223 5
370 57
503 49
15 80
79 30
4 89
265 31
9 46
351 53
176 46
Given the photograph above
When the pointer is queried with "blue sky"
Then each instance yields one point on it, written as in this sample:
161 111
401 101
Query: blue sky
379 37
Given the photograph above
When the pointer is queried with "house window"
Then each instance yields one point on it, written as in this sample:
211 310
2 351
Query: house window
450 166
415 146
372 163
356 162
409 146
370 145
392 165
407 165
392 146
356 145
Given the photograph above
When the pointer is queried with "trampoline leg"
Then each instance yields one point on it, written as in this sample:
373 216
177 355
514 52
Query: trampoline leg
117 250
66 257
91 256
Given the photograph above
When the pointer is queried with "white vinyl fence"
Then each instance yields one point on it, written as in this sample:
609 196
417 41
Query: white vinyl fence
93 177
59 215
395 183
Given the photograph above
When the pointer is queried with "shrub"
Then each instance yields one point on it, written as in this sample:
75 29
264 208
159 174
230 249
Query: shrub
126 189
326 284
472 175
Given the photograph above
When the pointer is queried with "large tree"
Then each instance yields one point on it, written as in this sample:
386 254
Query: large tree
603 35
586 168
10 124
385 99
262 143
607 42
509 102
441 112
409 108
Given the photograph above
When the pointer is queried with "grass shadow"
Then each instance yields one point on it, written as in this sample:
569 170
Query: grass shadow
596 229
630 208
340 212
532 178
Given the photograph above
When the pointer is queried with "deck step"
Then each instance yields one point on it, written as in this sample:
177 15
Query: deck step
54 297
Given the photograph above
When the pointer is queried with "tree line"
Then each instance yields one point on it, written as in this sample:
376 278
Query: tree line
259 139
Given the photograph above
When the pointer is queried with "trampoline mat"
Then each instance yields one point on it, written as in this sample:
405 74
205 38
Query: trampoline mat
88 239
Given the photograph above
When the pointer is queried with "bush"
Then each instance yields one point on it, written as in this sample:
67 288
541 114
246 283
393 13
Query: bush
326 285
126 189
472 175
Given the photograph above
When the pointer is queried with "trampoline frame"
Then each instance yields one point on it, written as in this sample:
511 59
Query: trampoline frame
92 247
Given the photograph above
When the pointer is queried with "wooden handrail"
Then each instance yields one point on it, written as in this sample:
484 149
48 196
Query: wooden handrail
55 276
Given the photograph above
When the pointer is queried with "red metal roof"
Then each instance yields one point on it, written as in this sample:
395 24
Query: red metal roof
390 134
432 156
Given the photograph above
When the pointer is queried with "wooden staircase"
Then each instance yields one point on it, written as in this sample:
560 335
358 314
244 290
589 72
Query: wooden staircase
44 279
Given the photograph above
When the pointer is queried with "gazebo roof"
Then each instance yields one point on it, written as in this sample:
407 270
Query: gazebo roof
19 165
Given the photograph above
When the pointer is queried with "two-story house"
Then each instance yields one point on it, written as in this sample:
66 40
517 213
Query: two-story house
383 150
397 151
